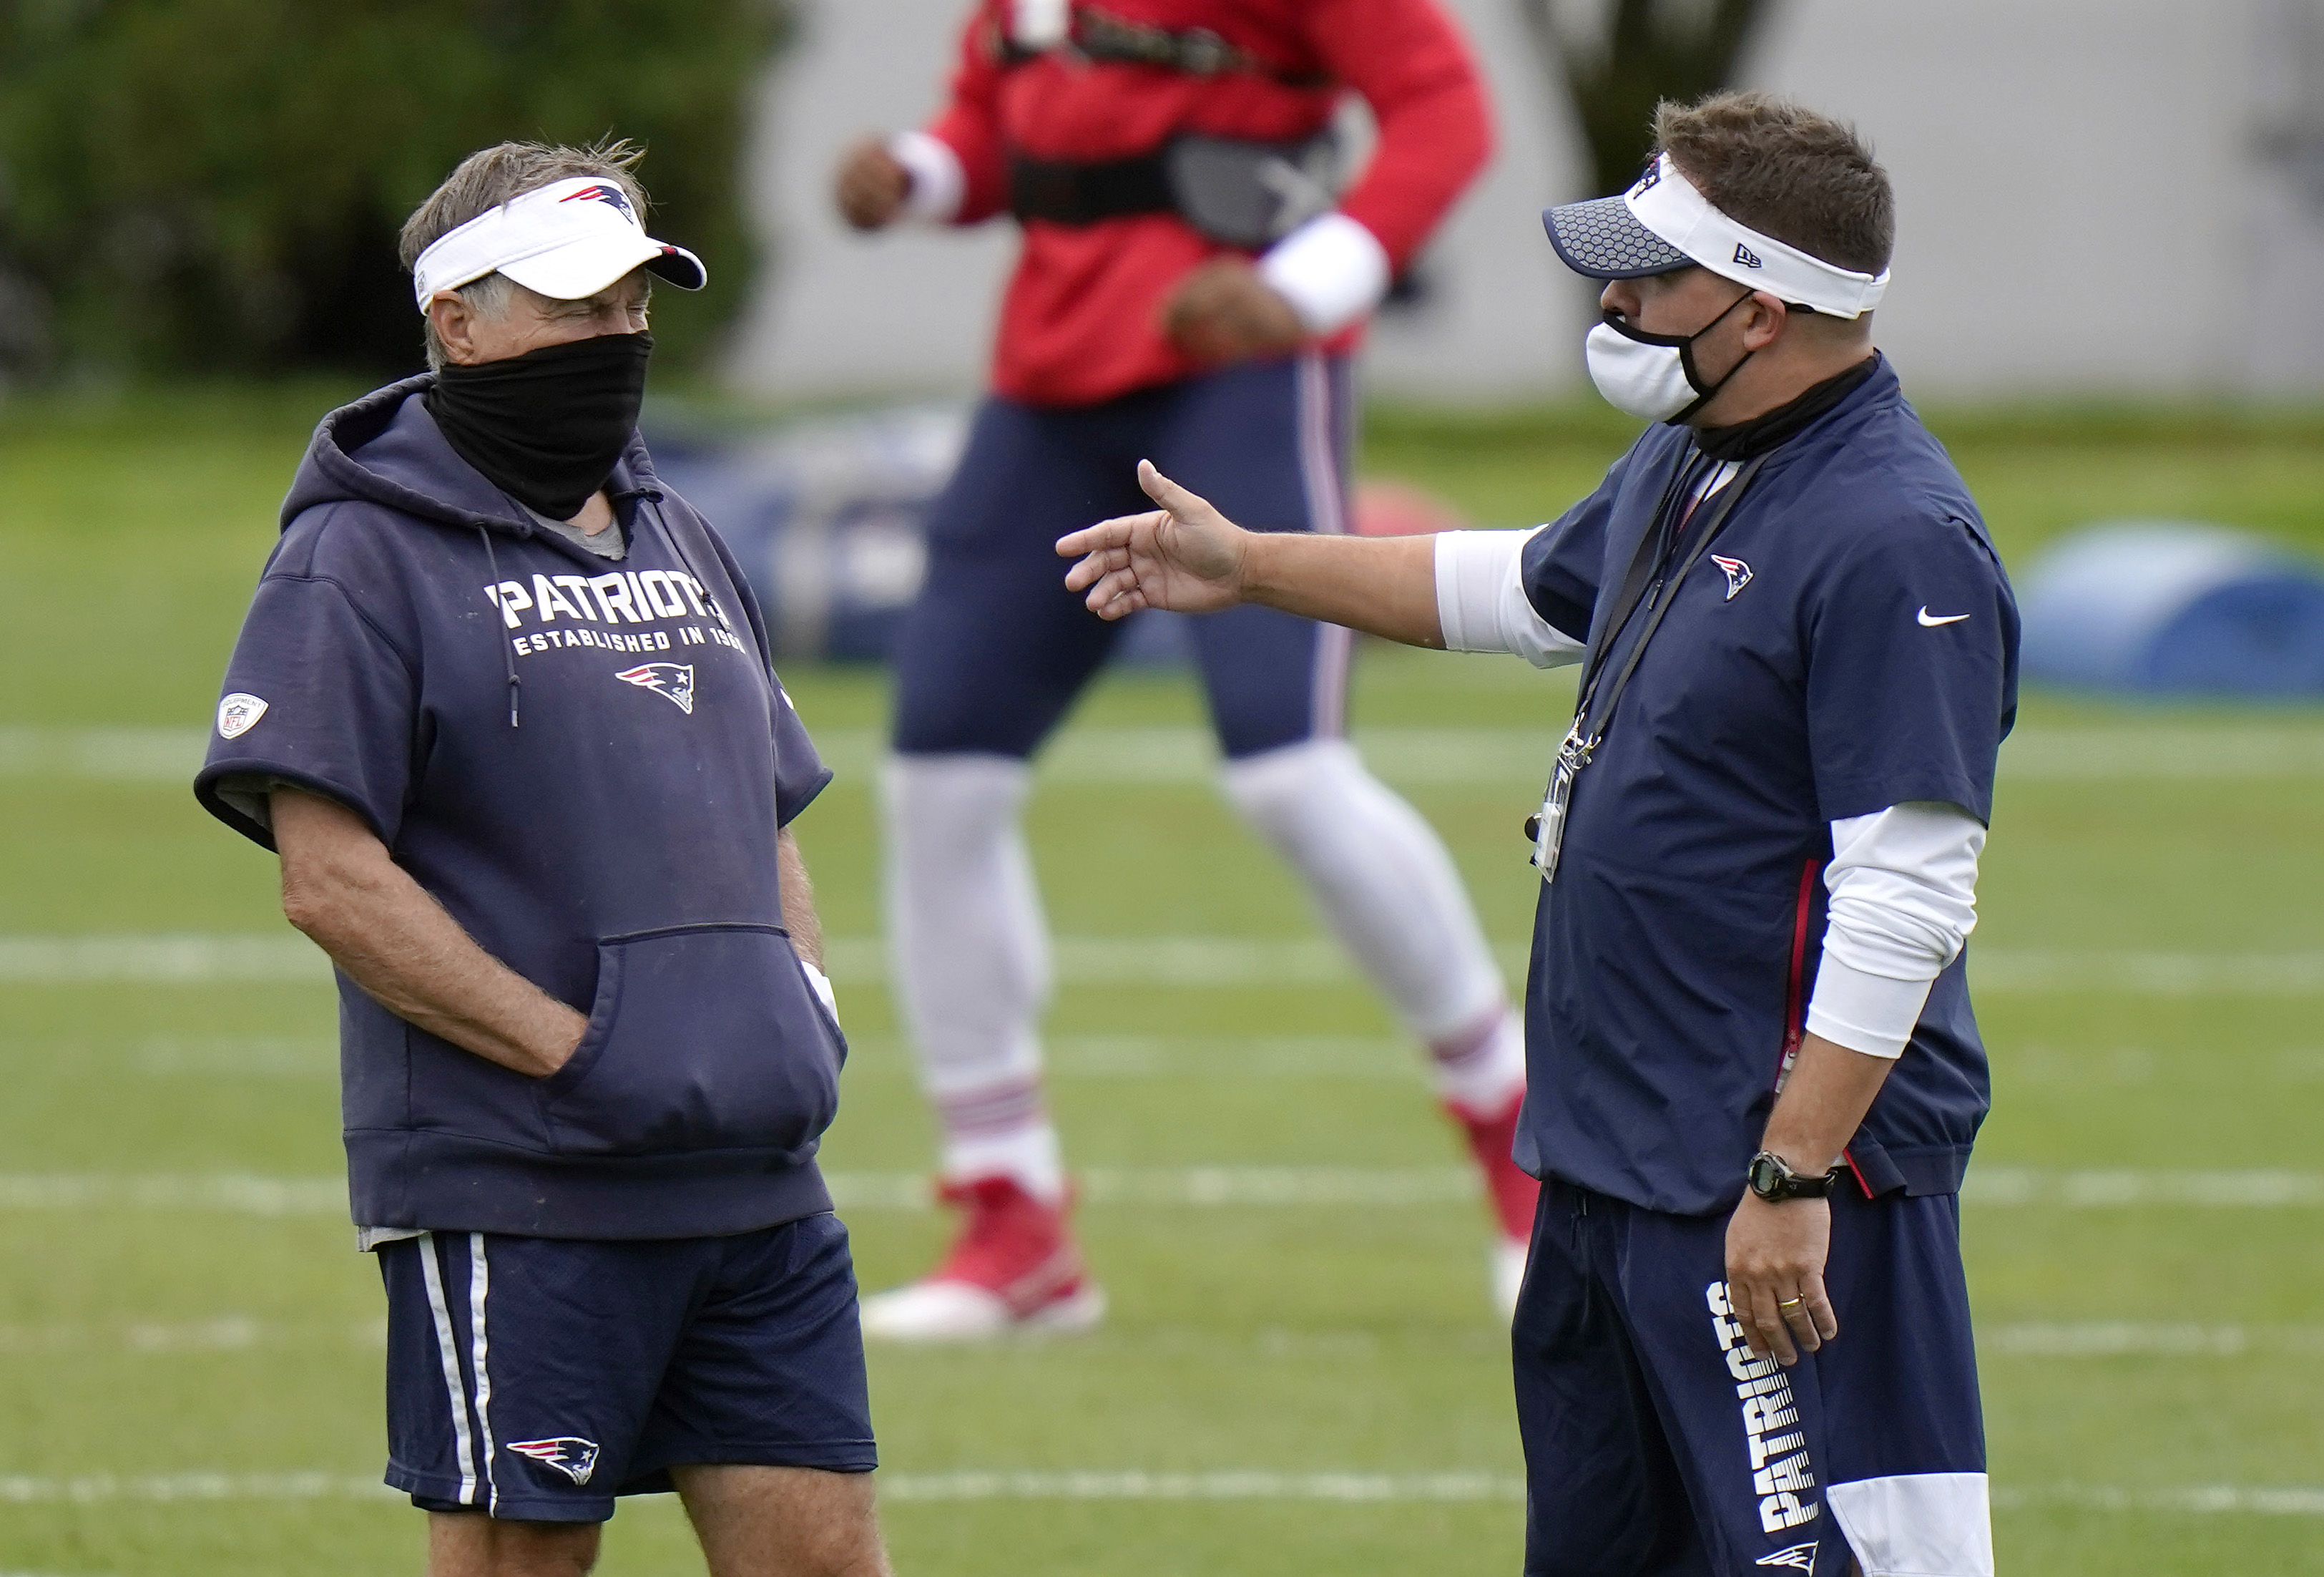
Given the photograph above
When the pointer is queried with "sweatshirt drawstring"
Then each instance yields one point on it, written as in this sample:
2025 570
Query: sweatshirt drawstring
508 653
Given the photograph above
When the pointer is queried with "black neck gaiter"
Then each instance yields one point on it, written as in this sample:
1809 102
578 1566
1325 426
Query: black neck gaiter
546 427
1769 428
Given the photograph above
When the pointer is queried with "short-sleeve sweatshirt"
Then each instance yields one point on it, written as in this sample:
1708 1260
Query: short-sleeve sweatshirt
1847 643
585 763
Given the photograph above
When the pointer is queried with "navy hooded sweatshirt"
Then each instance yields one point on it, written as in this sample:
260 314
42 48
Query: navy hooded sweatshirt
585 763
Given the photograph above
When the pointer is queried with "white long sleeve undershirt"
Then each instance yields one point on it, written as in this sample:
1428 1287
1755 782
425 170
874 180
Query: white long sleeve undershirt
1903 881
1482 604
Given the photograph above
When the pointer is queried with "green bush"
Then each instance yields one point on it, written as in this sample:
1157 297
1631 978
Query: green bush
198 185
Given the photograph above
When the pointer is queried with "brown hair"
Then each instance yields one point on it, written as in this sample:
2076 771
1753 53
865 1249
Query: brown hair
1804 178
490 177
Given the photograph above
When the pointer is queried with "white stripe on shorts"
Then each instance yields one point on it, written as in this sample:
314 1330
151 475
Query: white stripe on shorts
479 1283
1319 476
447 1348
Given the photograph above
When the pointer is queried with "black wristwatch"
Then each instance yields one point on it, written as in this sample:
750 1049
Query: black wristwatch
1772 1179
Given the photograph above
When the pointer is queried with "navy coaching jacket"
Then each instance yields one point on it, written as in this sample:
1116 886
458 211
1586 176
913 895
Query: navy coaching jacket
1858 649
604 825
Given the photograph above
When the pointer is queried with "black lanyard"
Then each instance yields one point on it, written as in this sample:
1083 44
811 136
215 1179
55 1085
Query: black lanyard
1661 539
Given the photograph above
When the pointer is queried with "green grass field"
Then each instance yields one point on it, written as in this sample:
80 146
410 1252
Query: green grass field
190 1346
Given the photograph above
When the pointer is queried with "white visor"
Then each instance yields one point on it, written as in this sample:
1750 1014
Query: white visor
1663 222
566 240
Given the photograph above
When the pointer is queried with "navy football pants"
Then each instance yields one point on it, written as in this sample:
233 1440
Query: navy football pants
1656 1446
996 648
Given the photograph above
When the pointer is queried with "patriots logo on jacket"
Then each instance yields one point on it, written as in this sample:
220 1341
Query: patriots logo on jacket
574 1457
674 681
604 191
1798 1558
1738 573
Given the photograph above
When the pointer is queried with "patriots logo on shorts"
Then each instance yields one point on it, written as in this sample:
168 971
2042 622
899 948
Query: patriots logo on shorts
1798 1558
672 680
1738 573
604 191
574 1457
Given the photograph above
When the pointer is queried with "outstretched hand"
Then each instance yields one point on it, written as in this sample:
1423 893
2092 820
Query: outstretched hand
1185 555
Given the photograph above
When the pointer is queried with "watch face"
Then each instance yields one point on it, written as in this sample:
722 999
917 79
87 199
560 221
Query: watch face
1767 1177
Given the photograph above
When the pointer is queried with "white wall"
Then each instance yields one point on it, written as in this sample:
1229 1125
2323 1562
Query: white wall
2072 179
2083 207
907 311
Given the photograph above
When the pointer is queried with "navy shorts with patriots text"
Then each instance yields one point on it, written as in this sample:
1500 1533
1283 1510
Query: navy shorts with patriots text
996 649
536 1378
1657 1446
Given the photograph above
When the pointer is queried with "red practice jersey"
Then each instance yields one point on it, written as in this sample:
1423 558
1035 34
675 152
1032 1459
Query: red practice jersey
1081 319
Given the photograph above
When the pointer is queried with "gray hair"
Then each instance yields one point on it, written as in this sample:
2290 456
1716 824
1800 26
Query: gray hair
488 178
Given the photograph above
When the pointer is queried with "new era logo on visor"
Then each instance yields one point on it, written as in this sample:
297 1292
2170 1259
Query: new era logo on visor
1747 258
1645 182
604 191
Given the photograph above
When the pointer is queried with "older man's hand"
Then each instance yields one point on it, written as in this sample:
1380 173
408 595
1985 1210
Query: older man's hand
1224 311
870 185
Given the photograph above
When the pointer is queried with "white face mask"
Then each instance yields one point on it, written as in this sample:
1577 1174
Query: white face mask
1652 377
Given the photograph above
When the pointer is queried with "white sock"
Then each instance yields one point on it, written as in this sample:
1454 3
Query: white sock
1388 889
1480 1069
970 955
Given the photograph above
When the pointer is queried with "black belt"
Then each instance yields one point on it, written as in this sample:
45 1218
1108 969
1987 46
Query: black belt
1065 192
1243 193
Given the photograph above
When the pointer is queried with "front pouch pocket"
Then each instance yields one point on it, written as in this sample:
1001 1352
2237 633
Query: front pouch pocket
701 1038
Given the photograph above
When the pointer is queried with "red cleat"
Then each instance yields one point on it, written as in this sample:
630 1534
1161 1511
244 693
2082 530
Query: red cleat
1014 1267
1512 1193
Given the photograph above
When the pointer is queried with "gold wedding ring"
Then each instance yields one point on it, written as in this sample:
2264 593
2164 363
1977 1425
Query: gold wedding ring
1788 1303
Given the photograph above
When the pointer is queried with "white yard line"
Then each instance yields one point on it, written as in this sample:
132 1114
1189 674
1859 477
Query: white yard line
198 959
2045 1341
175 1338
1992 1187
2123 1338
1417 757
1247 1484
1989 1187
2287 1500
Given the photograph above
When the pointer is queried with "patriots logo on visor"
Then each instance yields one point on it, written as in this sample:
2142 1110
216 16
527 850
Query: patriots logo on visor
570 1456
1798 1558
1738 573
672 681
606 193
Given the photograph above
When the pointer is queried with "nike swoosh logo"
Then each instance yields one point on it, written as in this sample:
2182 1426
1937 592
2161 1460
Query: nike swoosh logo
1950 619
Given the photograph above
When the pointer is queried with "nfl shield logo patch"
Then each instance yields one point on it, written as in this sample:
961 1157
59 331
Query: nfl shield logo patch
237 713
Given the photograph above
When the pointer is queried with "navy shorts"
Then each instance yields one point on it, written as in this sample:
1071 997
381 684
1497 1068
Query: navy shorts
1657 1446
996 648
537 1378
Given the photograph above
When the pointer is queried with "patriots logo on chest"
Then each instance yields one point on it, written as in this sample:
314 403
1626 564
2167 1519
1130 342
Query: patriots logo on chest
673 682
1738 573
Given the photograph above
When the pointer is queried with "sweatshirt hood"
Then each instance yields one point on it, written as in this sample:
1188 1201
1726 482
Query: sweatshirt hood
386 449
